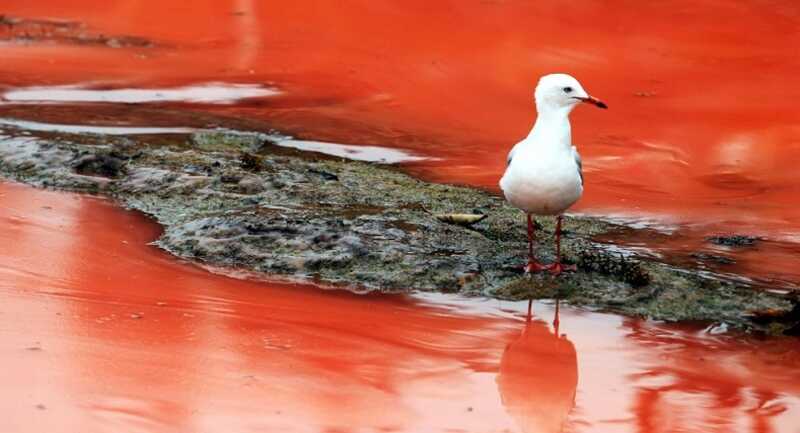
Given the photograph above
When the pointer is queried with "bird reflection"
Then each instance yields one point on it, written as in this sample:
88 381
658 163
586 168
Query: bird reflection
538 377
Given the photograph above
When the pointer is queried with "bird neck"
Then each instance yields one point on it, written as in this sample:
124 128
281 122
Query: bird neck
552 127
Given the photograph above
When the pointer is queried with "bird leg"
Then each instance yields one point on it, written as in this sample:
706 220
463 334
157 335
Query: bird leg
556 320
533 265
530 310
557 267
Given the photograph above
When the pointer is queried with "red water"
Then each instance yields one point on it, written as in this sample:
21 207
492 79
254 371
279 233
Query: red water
702 132
102 332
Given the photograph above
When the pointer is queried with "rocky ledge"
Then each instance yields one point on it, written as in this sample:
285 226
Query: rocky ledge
238 200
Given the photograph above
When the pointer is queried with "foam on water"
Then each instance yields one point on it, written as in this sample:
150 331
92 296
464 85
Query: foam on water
360 153
207 93
92 129
348 151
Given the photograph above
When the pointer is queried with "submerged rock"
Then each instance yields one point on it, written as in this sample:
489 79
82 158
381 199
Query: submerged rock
733 240
237 200
712 258
100 164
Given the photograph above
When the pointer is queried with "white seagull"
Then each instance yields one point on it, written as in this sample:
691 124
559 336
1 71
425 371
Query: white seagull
544 175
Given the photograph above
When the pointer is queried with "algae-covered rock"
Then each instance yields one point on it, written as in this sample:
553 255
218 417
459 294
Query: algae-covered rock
237 200
223 140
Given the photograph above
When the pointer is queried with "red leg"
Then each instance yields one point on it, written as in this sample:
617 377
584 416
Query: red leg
530 310
530 237
556 320
533 265
557 267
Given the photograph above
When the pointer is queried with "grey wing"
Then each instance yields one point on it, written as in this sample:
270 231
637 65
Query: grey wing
578 162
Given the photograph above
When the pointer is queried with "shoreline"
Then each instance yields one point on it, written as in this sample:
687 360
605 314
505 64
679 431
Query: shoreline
240 200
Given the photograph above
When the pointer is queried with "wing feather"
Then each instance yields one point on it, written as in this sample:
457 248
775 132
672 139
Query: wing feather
578 162
511 153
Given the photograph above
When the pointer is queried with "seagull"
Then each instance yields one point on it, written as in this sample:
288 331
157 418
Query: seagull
543 175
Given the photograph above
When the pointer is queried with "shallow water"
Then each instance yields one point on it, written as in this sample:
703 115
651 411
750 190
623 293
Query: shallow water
701 136
103 332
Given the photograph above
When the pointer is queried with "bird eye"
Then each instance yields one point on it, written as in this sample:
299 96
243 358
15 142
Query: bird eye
567 89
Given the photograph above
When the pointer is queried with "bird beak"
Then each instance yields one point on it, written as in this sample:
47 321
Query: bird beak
595 101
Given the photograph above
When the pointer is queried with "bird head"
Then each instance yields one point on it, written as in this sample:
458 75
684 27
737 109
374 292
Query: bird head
562 91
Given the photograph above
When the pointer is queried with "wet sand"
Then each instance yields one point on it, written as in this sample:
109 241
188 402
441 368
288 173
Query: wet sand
103 332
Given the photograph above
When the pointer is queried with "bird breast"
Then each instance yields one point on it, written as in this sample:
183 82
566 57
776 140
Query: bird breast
542 183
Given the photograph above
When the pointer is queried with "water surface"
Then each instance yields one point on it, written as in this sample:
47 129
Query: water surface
103 332
702 136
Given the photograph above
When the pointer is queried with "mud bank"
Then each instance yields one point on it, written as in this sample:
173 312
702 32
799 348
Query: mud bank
239 200
30 31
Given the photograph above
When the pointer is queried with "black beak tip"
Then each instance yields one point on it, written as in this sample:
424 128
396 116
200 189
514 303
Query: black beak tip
602 105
